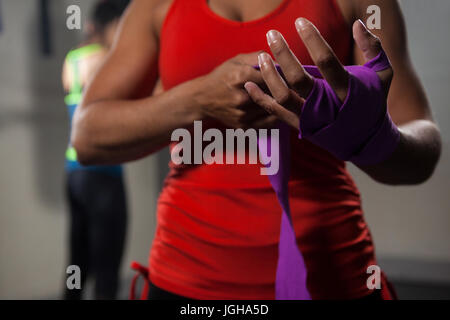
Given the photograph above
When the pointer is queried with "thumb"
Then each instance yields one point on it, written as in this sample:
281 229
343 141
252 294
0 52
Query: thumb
366 41
370 45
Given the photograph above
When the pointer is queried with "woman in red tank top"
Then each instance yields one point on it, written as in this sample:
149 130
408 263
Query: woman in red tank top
217 229
218 225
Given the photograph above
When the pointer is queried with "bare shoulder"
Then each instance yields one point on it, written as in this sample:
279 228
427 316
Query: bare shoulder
136 46
145 16
159 13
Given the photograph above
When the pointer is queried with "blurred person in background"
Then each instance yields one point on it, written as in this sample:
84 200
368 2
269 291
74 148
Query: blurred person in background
95 194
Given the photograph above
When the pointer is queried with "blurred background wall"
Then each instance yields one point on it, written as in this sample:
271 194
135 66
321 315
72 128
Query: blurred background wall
410 224
33 138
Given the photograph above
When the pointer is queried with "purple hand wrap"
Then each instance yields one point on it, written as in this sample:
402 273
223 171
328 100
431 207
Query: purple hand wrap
290 281
359 130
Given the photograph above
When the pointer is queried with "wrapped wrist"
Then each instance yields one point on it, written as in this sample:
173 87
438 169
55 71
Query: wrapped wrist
359 129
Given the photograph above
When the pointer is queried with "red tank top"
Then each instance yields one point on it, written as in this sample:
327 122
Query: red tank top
218 225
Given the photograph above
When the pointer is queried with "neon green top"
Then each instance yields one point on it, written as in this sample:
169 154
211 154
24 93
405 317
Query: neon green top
73 58
73 99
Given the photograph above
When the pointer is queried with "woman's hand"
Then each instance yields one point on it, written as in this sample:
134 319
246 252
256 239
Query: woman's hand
222 96
341 109
289 95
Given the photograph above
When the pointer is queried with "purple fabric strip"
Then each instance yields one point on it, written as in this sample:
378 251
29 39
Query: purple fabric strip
291 273
359 129
379 63
290 281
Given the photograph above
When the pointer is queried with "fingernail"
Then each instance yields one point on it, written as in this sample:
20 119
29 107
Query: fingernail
300 23
272 36
263 58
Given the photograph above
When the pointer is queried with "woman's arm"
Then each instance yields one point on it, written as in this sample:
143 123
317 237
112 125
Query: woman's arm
119 121
419 149
357 129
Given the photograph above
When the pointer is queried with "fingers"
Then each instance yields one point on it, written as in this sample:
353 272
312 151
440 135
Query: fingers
295 74
370 45
324 58
271 105
272 77
282 94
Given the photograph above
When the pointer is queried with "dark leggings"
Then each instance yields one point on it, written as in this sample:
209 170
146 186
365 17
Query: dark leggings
98 219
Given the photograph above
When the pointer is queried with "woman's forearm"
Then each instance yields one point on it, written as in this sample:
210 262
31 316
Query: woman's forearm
110 132
415 158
